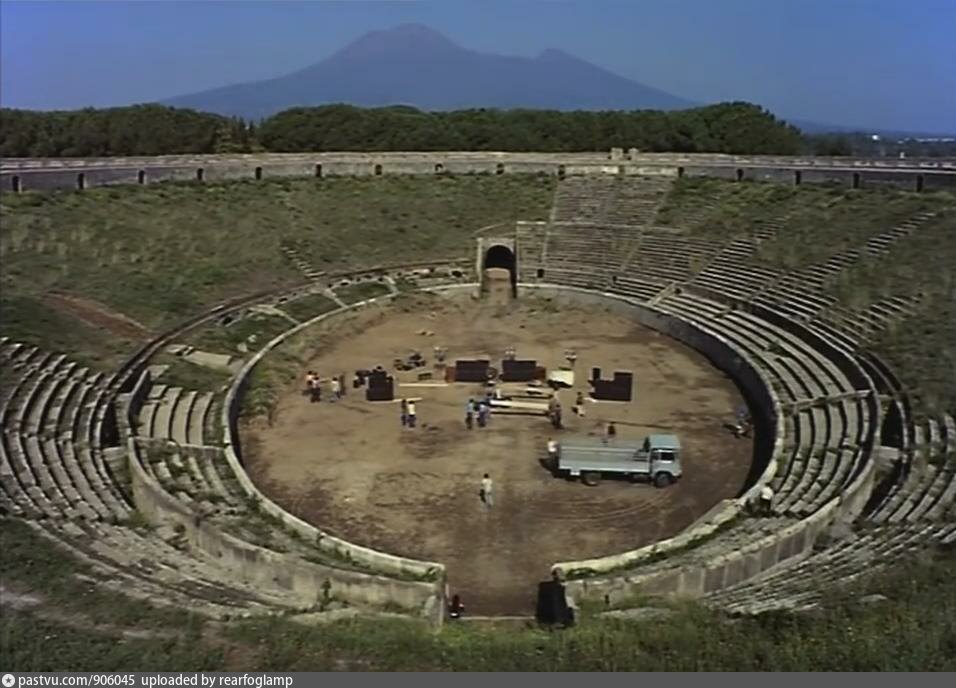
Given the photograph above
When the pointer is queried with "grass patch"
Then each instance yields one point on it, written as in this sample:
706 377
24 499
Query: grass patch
913 629
161 253
191 376
26 318
309 307
35 563
251 331
361 291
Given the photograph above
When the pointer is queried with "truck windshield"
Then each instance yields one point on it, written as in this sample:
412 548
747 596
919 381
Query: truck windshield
664 455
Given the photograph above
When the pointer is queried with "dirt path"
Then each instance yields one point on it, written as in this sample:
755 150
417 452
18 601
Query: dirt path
351 467
98 315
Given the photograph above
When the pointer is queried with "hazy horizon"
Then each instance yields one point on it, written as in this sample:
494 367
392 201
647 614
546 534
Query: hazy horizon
872 64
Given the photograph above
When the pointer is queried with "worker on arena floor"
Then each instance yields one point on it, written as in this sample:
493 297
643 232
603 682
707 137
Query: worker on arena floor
470 414
553 449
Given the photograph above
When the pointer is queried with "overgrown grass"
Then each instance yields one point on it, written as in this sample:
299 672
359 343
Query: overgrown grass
361 291
163 252
252 332
818 220
191 376
309 307
27 318
37 564
913 629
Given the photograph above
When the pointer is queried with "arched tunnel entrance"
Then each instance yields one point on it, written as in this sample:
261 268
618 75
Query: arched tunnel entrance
497 259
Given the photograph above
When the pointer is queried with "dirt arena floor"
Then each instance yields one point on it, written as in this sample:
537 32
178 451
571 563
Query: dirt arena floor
352 469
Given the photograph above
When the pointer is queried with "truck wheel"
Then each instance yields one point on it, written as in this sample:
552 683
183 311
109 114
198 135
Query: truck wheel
591 478
662 479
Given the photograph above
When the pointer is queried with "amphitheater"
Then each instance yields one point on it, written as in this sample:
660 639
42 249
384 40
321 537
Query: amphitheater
144 479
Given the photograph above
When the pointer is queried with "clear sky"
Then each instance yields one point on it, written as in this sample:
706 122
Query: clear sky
874 63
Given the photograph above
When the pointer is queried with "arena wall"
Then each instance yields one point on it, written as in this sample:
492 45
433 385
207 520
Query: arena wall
309 580
386 563
614 580
77 174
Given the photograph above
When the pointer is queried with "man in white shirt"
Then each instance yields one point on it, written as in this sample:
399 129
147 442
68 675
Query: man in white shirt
552 449
486 493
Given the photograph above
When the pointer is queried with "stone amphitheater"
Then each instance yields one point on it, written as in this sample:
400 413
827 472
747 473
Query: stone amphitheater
859 480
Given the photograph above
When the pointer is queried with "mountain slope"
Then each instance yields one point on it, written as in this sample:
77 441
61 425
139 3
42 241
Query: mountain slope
414 65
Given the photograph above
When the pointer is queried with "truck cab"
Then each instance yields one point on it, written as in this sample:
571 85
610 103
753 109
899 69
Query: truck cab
656 459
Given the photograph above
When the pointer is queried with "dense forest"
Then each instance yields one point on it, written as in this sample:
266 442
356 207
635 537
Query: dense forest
134 130
158 130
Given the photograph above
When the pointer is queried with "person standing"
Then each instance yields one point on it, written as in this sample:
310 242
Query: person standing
482 413
404 413
552 449
341 385
411 414
487 492
470 414
336 389
610 432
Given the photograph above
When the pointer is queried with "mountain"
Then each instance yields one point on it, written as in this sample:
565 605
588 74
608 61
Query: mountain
415 65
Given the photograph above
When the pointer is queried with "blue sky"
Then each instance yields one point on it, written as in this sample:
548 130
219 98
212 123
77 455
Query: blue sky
873 63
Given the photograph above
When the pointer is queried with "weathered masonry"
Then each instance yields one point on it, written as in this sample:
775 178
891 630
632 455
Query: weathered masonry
82 173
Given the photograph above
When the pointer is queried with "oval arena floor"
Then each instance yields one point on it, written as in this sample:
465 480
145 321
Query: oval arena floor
351 467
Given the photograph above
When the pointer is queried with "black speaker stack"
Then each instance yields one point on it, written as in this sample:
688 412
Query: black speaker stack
381 386
552 607
618 389
471 370
518 371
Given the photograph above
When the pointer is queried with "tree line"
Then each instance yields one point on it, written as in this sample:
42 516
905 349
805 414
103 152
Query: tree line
737 127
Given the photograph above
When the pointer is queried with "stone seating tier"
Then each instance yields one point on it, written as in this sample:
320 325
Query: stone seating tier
801 585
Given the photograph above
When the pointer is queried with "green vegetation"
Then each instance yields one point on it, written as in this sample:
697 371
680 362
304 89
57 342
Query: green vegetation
309 307
191 376
32 319
724 128
253 331
735 127
815 221
912 629
134 130
361 291
160 254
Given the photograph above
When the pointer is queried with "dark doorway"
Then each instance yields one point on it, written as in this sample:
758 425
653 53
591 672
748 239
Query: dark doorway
80 181
378 170
740 175
318 171
15 183
499 256
200 173
141 177
561 172
500 168
797 178
856 180
680 172
540 273
258 173
919 183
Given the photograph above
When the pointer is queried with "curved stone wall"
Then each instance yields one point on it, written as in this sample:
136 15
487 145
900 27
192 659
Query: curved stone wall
613 579
48 174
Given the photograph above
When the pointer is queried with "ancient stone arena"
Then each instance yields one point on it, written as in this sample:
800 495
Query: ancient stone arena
351 468
156 430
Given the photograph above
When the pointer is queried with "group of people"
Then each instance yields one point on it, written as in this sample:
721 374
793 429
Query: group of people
481 410
313 386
